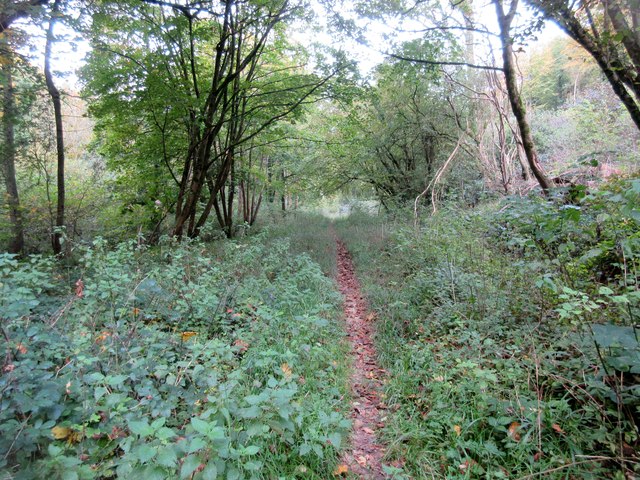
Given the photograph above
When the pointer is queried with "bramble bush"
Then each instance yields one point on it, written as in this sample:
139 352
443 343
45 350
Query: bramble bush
180 361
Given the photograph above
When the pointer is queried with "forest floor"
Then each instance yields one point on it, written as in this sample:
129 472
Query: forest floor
364 457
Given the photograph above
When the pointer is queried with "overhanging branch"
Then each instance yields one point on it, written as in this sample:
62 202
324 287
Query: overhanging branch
444 63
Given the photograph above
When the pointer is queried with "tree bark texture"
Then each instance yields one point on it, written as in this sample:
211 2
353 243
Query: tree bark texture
611 35
211 156
54 93
16 243
515 98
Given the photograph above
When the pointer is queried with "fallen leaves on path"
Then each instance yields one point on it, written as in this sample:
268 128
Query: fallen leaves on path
364 459
340 470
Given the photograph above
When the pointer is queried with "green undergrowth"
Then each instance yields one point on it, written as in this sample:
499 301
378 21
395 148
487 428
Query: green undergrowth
308 233
508 335
185 361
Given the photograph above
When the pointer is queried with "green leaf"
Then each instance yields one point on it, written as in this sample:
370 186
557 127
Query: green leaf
210 472
54 450
100 392
141 428
619 36
335 439
197 443
167 456
305 448
252 466
157 423
605 291
620 299
165 433
254 399
153 472
200 426
233 473
318 450
116 380
144 453
250 412
607 336
250 450
189 465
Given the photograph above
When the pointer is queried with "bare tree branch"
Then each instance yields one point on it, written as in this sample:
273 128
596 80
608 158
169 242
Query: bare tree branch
443 63
18 10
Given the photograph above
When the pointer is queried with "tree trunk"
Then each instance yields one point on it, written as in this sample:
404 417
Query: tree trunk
16 244
283 195
54 93
15 10
517 104
609 67
623 74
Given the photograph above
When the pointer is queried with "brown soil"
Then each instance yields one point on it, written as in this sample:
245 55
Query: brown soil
364 457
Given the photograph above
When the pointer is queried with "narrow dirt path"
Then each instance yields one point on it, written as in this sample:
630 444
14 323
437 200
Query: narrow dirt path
364 458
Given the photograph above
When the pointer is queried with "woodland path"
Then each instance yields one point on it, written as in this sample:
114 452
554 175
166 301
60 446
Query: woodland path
364 456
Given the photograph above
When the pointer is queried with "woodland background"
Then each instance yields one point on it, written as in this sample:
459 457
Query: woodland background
170 211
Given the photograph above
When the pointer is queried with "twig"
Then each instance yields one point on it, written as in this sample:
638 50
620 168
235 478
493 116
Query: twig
9 357
569 465
433 182
22 427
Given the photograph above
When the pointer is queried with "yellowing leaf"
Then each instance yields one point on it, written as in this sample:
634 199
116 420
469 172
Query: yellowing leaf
457 429
468 464
60 433
103 336
65 433
79 288
74 437
341 469
242 345
286 370
187 335
513 431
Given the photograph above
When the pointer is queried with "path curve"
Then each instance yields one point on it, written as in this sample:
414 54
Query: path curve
364 456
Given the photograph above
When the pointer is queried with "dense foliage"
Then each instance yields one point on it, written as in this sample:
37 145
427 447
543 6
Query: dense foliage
167 362
188 323
509 337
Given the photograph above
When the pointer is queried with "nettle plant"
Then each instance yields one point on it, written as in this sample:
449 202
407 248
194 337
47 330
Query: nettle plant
169 363
587 257
585 253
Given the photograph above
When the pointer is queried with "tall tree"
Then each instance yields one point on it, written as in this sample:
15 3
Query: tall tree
11 10
442 27
16 244
610 31
202 80
54 93
505 19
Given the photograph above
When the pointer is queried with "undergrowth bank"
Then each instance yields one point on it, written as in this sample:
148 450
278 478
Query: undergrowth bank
509 335
181 361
